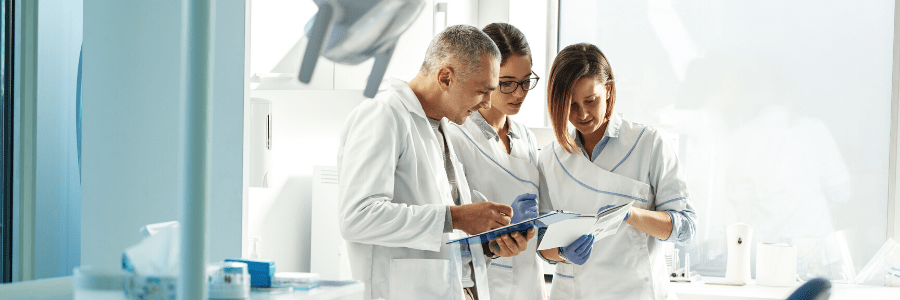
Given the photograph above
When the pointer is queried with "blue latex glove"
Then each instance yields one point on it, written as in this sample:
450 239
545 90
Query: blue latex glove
524 208
580 250
627 215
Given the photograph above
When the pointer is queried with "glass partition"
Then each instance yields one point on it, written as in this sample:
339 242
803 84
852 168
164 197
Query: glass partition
780 111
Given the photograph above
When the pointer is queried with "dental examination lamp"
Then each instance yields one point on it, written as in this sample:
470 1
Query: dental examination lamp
352 31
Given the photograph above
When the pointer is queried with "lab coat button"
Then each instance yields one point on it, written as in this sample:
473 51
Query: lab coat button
646 279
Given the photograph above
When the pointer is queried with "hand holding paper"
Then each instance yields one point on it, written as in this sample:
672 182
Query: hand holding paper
580 250
610 206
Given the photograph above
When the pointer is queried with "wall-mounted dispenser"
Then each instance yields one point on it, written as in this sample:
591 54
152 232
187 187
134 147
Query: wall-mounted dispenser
260 142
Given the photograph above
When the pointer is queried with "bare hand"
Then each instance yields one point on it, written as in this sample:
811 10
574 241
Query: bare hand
479 217
511 244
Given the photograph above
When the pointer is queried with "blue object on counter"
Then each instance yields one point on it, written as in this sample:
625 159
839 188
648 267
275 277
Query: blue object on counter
261 271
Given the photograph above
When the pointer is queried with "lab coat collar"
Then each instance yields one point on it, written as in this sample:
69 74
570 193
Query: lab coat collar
489 131
615 124
407 97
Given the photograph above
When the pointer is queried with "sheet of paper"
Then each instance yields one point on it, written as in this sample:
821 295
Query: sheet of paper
604 224
564 233
609 220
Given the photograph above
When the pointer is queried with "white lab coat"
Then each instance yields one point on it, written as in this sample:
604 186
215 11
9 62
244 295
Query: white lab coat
394 194
636 165
501 177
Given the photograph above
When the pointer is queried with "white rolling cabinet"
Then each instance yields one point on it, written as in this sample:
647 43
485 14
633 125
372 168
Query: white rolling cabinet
328 251
407 59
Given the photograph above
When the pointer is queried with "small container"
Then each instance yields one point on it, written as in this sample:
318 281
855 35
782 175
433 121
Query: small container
261 271
228 280
91 283
296 280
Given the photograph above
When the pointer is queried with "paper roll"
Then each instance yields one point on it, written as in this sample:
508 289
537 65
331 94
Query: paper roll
776 264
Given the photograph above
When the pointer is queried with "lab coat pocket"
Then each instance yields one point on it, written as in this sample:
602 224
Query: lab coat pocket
500 278
420 279
563 286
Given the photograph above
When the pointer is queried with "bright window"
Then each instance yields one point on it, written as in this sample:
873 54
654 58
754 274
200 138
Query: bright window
779 111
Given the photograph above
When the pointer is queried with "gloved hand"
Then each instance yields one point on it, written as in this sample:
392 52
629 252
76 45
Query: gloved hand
524 208
627 215
580 250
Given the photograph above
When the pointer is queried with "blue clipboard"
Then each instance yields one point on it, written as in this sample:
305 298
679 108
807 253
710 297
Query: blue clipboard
542 221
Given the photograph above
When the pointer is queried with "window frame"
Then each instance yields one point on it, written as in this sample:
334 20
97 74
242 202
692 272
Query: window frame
6 164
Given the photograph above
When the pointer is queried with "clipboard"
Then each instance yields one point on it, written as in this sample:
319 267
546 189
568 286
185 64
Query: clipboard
542 221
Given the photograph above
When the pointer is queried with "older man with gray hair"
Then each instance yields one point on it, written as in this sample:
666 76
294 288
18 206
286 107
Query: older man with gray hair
403 195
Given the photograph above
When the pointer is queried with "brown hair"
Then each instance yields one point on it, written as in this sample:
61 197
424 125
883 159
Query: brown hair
570 65
509 39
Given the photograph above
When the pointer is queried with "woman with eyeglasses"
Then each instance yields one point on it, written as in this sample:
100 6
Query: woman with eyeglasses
500 156
603 161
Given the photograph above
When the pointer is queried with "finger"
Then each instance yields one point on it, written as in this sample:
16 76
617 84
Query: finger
503 245
504 209
588 245
512 241
494 247
585 243
502 220
529 234
521 241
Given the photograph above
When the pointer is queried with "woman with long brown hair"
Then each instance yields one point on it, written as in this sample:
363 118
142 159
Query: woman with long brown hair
602 161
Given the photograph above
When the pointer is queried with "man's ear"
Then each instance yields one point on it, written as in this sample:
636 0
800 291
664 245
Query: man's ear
445 76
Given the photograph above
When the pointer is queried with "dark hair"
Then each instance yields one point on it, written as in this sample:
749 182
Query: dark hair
570 65
509 40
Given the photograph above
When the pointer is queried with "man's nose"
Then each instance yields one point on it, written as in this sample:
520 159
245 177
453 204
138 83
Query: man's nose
486 102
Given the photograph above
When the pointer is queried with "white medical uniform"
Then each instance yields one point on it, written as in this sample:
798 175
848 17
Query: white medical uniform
631 163
502 177
394 195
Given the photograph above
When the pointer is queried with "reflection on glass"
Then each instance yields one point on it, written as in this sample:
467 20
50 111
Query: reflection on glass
780 111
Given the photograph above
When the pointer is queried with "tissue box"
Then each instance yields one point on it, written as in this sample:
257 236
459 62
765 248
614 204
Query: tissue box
261 271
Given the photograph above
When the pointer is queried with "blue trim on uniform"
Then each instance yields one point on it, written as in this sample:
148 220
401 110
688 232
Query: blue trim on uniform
585 185
673 200
565 276
502 266
527 136
629 151
492 159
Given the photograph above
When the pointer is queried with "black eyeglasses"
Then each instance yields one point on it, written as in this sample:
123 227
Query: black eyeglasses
508 87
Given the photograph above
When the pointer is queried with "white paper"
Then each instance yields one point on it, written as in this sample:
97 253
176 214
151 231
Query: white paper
604 224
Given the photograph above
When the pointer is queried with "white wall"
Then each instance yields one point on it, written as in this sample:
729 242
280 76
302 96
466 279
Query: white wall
132 125
306 129
58 186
